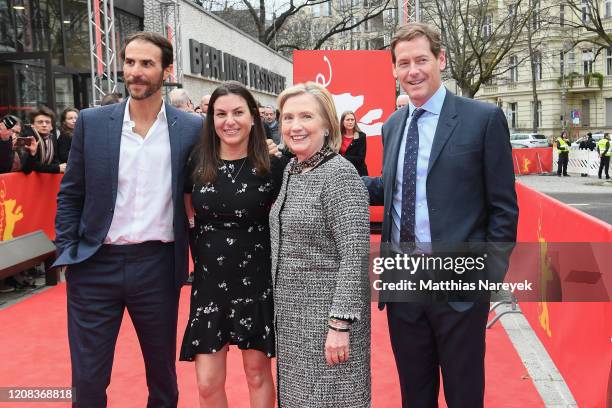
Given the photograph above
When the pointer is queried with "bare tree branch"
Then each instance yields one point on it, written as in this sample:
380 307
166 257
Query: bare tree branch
476 43
589 19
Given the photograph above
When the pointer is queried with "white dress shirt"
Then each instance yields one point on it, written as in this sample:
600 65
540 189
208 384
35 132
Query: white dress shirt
143 209
427 124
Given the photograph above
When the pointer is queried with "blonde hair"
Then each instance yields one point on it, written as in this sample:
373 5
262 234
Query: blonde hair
327 109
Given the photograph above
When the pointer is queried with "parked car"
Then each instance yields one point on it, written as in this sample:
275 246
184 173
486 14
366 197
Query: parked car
528 140
517 145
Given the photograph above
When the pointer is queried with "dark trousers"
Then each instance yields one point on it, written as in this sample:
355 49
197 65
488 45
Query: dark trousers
427 338
137 277
604 164
562 164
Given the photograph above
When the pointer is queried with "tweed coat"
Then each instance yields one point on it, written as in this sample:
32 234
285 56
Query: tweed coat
319 228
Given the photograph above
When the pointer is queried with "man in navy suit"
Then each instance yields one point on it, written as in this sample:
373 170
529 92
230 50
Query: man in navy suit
447 179
121 226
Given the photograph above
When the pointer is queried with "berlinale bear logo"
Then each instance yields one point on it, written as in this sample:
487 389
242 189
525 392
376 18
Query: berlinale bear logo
348 102
10 214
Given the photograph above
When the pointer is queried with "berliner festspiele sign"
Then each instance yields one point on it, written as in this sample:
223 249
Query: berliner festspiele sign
216 64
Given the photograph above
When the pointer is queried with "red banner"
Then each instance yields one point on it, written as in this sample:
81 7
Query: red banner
361 81
576 335
27 204
535 160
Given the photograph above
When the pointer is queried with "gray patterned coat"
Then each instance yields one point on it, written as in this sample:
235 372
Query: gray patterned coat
319 227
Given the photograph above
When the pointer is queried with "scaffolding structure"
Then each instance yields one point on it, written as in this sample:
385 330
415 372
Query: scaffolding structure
102 49
409 11
170 13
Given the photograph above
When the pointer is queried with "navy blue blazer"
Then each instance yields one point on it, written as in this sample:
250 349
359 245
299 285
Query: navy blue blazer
470 178
86 200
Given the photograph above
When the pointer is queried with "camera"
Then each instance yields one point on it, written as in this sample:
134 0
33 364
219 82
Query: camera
9 121
24 141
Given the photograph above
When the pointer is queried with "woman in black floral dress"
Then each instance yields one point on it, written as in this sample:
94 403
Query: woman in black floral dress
234 183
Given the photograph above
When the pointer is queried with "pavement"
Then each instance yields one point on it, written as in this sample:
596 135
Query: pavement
542 370
587 194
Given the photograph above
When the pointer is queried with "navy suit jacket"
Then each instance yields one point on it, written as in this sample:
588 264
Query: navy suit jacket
86 201
470 178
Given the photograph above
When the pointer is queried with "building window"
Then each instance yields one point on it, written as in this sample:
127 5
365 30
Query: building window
487 27
586 14
538 113
316 10
586 112
609 61
511 16
608 8
537 62
561 63
608 112
587 61
571 61
562 15
513 72
535 18
512 114
386 40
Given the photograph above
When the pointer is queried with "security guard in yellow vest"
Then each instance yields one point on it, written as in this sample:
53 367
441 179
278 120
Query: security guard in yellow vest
563 150
603 148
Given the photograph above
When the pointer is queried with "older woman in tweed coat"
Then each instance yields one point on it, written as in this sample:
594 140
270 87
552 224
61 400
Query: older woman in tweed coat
320 239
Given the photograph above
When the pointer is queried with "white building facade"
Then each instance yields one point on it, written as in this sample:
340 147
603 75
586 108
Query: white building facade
212 51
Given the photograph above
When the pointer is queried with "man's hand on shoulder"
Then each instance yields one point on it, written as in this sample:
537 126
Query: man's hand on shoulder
273 148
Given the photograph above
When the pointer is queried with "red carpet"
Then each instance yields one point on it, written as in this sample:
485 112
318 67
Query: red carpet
34 352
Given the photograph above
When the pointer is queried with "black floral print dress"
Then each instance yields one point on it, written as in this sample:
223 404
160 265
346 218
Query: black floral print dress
231 295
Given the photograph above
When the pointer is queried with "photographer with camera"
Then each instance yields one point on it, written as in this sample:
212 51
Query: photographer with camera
44 152
12 146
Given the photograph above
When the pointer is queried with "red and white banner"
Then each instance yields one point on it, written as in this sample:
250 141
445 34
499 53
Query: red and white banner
28 204
576 335
535 160
360 81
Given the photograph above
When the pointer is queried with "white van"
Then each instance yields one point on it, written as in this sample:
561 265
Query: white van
528 140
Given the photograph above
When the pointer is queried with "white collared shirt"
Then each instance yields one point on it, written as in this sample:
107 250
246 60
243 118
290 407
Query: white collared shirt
143 209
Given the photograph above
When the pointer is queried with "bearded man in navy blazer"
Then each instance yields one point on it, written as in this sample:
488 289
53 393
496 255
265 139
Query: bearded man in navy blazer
121 226
447 178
